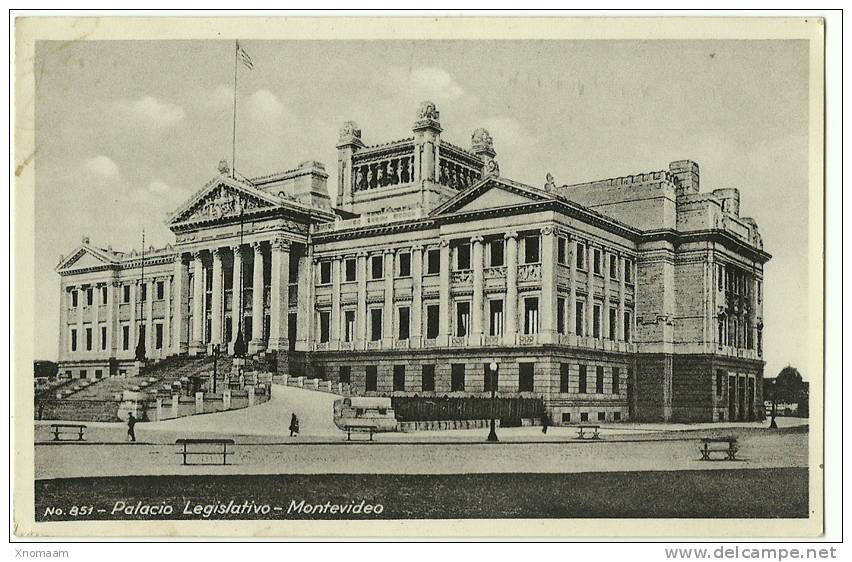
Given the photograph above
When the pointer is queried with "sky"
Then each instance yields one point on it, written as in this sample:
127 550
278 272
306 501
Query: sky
126 131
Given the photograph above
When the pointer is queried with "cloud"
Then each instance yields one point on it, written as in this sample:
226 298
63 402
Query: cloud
428 82
222 97
264 105
102 166
153 112
158 186
156 192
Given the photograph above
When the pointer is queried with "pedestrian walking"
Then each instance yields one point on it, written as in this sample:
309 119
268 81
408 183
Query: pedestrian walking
131 423
294 425
545 423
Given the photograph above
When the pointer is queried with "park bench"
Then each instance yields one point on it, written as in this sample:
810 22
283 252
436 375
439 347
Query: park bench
359 428
186 451
582 427
60 429
725 445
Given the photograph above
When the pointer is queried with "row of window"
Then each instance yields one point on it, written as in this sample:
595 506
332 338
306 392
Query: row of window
494 257
737 281
89 294
463 321
735 333
584 416
88 337
458 383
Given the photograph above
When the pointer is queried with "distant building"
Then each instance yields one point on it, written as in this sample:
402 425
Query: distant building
635 297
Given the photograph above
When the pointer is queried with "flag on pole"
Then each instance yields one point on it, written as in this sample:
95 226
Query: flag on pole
244 57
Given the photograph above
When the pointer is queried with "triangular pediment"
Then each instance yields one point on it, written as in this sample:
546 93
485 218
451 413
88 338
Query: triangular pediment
492 193
221 198
84 258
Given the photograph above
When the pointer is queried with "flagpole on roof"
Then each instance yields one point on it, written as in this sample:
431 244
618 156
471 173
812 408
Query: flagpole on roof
234 135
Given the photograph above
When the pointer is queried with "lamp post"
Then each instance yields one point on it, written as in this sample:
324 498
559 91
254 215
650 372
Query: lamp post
492 369
216 349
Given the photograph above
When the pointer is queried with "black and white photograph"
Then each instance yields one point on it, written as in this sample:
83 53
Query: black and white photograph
441 273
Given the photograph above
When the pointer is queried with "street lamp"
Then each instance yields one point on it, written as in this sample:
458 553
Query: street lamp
492 368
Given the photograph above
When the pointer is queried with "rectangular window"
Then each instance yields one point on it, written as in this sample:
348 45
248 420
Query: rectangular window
457 377
375 324
531 253
405 264
349 325
613 266
377 269
403 322
324 326
613 322
721 376
103 337
432 321
566 417
83 374
104 295
601 416
161 290
495 253
144 292
399 377
88 339
599 379
596 321
560 315
427 381
99 373
616 380
495 324
490 379
583 380
125 293
433 261
74 299
628 271
463 256
596 260
579 318
584 416
371 378
564 377
462 318
351 268
73 339
627 326
531 315
325 273
561 252
581 256
345 374
90 296
616 416
759 292
525 377
125 338
158 336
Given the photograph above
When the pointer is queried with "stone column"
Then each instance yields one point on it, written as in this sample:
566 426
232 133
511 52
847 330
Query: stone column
416 295
444 295
180 275
547 312
305 334
96 328
572 285
361 311
335 319
167 313
196 344
511 321
133 334
256 343
112 316
590 289
388 335
476 312
236 294
605 308
81 331
279 298
149 319
217 306
622 280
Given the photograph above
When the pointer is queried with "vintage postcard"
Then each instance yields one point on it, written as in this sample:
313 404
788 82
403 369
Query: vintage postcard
418 277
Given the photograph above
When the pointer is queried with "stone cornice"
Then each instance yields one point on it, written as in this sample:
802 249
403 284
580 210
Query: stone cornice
710 235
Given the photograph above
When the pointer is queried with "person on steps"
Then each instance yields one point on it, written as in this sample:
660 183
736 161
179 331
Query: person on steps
131 423
294 425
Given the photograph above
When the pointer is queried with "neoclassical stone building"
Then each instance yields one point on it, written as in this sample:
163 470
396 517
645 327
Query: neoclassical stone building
635 297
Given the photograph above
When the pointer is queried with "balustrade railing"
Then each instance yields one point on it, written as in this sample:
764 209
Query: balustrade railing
529 272
382 173
495 272
463 276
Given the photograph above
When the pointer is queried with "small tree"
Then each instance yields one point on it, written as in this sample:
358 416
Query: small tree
788 387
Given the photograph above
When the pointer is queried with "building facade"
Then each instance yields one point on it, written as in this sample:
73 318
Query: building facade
636 297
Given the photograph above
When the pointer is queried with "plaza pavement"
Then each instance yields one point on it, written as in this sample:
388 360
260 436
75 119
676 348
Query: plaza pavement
264 446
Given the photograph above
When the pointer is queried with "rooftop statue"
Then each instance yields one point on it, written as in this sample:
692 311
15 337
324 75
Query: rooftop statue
427 110
481 140
349 130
